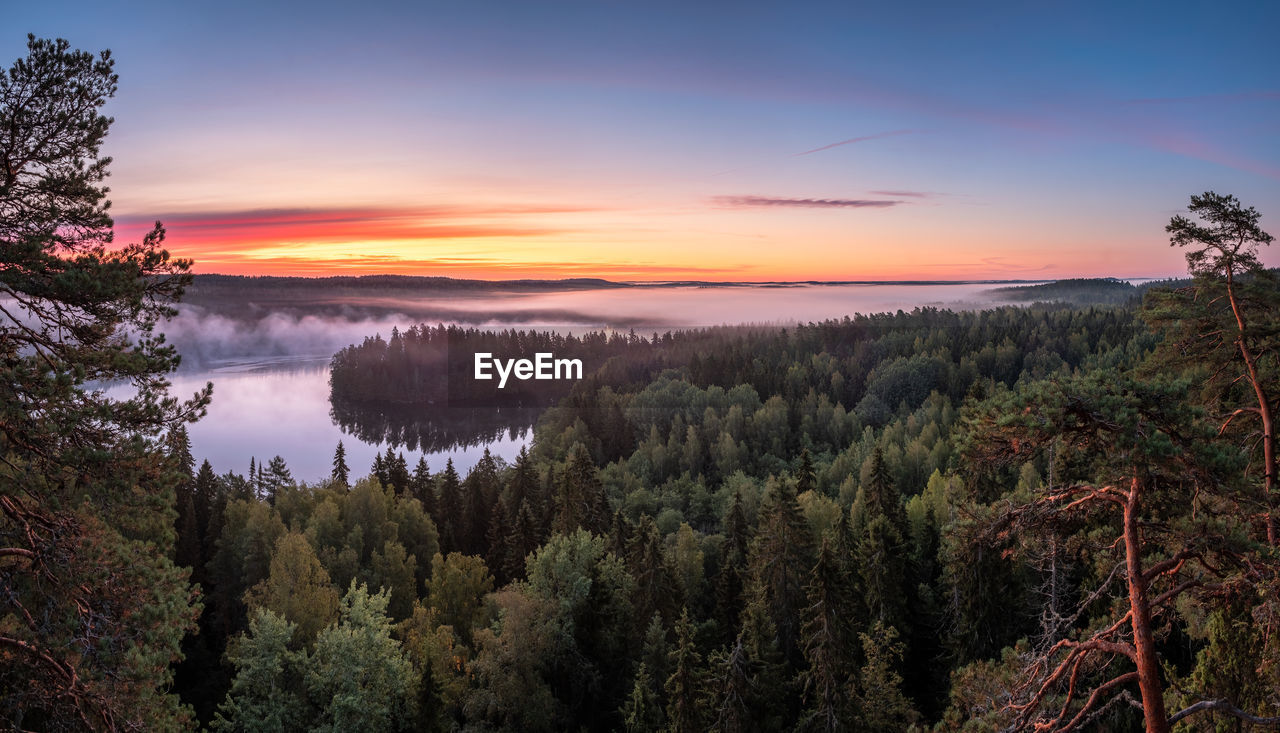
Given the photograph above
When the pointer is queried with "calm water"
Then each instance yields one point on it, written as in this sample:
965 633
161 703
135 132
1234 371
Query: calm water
271 389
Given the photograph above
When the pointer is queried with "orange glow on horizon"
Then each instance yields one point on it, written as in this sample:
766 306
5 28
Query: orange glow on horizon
711 243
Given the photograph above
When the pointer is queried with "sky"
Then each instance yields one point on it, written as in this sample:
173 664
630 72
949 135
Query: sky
662 140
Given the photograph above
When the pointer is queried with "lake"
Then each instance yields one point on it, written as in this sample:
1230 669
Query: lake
270 373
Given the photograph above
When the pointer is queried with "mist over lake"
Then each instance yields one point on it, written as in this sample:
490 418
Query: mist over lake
268 356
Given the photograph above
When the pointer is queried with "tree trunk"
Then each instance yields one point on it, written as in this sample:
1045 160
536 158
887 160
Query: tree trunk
1157 720
1264 411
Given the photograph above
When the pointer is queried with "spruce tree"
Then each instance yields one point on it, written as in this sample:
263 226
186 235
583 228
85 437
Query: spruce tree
642 712
877 693
685 685
581 501
422 486
341 472
806 480
827 645
781 558
449 504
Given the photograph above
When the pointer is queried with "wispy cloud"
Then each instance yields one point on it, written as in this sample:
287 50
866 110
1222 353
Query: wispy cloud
908 194
852 140
254 228
745 201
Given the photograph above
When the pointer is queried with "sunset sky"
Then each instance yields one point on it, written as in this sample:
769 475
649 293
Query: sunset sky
679 140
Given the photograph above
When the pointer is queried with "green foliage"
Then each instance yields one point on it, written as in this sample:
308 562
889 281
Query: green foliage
642 712
358 677
1077 291
781 557
341 472
684 686
297 589
265 695
516 666
581 502
591 590
877 697
827 645
456 593
92 610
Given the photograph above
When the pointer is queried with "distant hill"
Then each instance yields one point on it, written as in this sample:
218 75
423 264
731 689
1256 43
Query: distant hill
1076 291
384 283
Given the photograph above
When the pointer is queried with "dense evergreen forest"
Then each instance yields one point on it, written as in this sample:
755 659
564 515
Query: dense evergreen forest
1039 518
728 546
1079 291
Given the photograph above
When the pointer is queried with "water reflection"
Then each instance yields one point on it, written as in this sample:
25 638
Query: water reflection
271 376
434 429
283 409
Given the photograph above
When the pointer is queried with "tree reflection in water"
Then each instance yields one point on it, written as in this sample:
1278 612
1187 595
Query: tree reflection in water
432 428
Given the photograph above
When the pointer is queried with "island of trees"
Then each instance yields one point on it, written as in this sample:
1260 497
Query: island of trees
1039 518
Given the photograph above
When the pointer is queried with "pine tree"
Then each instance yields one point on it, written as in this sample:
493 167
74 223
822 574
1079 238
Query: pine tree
522 484
731 691
187 548
210 502
619 534
187 524
479 493
92 611
1148 460
881 554
881 494
276 478
1223 329
737 534
178 448
655 654
498 543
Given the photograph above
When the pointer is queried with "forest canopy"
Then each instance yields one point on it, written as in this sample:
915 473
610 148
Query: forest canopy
1022 518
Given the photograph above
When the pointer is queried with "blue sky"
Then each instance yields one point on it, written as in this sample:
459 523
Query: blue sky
653 140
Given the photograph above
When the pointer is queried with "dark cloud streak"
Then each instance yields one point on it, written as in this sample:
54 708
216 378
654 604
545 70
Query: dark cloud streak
864 138
906 194
761 201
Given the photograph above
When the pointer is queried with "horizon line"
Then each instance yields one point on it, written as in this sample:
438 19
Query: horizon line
585 279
